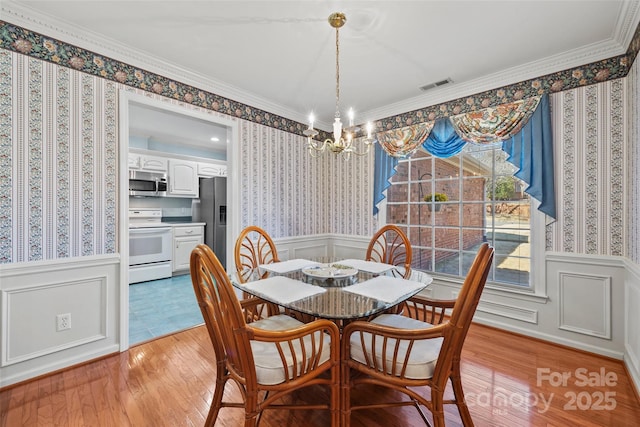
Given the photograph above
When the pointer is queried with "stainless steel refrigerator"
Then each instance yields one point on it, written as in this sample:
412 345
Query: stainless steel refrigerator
213 212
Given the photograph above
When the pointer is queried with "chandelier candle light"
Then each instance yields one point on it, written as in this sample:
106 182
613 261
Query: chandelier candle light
343 139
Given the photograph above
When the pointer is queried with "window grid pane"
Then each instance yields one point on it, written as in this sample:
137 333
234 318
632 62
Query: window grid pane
484 203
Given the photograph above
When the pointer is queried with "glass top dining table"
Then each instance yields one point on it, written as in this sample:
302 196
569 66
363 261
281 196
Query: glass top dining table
323 291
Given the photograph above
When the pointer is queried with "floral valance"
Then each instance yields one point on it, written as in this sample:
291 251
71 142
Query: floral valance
524 127
404 141
494 124
446 137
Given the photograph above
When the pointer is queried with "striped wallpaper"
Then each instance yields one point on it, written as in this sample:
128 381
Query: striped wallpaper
58 175
58 158
59 140
591 150
290 193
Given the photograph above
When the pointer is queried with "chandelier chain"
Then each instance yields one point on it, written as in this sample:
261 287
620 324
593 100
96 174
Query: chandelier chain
337 72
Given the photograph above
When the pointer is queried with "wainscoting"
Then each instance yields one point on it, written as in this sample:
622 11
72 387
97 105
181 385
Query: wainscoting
632 322
591 303
34 294
580 307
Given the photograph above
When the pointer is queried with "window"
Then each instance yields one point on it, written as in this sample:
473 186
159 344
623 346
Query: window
484 202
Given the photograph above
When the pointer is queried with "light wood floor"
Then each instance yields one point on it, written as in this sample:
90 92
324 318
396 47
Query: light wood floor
168 382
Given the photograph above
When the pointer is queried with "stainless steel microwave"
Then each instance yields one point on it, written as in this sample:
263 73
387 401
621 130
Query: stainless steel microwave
147 184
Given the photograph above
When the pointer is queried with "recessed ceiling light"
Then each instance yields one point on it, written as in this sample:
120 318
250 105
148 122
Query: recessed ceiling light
215 139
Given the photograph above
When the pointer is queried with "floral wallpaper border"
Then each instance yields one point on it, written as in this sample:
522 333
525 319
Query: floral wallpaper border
21 40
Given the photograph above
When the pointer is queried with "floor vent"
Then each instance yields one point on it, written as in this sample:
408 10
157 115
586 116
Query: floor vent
436 84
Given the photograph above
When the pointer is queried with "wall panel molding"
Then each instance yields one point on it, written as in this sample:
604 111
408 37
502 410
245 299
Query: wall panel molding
509 311
592 316
632 322
37 307
58 265
504 310
32 294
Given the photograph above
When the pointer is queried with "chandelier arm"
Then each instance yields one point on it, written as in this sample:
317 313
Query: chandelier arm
360 153
314 145
315 154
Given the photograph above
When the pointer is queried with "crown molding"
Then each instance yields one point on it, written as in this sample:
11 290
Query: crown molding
66 32
564 61
628 20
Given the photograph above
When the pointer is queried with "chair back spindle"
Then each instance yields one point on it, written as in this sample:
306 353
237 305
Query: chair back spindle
390 245
253 247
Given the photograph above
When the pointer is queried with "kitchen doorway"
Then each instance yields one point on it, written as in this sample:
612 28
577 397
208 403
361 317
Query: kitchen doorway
156 121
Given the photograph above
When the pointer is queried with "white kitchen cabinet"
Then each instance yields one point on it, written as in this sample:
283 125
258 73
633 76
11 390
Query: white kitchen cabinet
185 238
134 161
211 169
183 178
147 163
151 163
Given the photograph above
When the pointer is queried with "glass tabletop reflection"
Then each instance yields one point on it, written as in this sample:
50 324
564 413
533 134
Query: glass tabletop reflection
333 301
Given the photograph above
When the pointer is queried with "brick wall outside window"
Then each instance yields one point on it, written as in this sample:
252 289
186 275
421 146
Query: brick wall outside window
448 233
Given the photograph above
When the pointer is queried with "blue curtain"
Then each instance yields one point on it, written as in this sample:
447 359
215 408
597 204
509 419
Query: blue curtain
443 141
384 169
531 151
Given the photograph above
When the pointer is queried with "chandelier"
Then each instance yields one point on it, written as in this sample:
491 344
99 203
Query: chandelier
344 140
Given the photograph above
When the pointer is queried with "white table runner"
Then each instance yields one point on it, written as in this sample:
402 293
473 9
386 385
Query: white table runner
385 288
288 266
283 289
368 266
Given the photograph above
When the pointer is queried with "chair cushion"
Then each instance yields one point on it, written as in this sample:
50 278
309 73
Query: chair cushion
269 369
424 354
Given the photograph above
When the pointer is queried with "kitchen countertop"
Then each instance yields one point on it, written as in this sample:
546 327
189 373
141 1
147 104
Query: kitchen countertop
181 220
185 223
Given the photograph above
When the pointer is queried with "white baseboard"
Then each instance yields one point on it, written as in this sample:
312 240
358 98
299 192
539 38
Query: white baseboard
551 338
27 374
633 373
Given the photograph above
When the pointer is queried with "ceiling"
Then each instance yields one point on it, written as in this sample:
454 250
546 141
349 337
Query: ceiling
168 127
280 55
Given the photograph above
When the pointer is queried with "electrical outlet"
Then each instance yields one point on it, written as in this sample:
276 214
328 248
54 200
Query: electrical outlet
63 322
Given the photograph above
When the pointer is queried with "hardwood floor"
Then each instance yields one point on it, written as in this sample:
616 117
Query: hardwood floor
509 381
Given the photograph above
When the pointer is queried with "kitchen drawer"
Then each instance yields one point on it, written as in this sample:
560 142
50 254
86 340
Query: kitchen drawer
182 231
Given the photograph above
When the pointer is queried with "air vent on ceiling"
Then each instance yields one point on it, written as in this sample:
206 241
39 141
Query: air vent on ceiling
436 84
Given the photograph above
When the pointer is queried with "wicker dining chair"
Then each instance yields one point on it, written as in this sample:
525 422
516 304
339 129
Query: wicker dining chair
401 353
253 247
267 359
391 246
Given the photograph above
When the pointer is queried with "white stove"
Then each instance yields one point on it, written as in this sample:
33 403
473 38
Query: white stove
146 217
149 245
